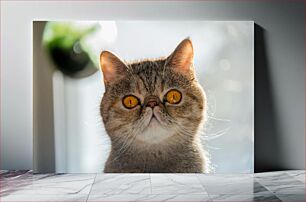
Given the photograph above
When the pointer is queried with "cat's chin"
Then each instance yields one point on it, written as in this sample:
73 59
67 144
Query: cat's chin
154 132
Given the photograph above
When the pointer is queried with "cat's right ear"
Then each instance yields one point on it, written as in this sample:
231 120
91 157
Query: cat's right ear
112 67
181 60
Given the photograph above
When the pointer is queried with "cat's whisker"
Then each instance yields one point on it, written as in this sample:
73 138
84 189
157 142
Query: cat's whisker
127 142
216 135
217 119
125 146
212 147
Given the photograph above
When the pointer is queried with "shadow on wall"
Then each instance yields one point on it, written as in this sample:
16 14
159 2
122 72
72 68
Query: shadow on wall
43 116
267 132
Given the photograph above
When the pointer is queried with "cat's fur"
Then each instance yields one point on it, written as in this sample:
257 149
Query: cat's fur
170 142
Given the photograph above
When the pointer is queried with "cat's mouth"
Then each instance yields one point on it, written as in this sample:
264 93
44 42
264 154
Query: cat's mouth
153 120
154 130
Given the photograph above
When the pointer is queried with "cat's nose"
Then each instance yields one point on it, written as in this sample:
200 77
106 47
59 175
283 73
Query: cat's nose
151 103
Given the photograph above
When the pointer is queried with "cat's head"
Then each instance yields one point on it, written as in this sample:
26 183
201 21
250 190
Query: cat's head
152 101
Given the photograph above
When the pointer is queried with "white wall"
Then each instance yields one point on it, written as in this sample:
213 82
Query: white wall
283 22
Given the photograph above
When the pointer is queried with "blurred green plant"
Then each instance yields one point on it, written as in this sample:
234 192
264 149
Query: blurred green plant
63 41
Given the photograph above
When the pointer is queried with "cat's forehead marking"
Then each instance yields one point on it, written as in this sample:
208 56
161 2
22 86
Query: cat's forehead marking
148 73
150 77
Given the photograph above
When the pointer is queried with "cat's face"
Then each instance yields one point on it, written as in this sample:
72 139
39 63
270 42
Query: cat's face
152 101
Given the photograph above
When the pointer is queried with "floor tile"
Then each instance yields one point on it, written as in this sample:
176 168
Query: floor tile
150 198
281 183
3 171
118 184
244 198
271 173
287 186
175 184
12 182
42 198
179 198
13 173
48 184
292 197
298 175
231 184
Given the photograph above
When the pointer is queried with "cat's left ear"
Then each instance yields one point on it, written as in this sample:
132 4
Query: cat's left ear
181 60
112 67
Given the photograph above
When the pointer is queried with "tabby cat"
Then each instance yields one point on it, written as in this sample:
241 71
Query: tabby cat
152 111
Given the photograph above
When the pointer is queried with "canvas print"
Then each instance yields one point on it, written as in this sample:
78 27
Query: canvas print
147 96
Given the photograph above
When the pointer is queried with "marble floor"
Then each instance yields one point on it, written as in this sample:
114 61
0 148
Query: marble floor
271 186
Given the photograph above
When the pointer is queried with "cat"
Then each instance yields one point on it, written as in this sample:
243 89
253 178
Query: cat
152 111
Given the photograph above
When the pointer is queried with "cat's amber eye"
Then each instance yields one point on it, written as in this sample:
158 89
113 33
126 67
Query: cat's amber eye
130 101
173 96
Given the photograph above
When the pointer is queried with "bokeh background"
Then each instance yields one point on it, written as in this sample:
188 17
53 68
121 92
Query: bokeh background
224 62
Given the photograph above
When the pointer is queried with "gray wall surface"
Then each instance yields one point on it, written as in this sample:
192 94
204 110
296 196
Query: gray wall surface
279 68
